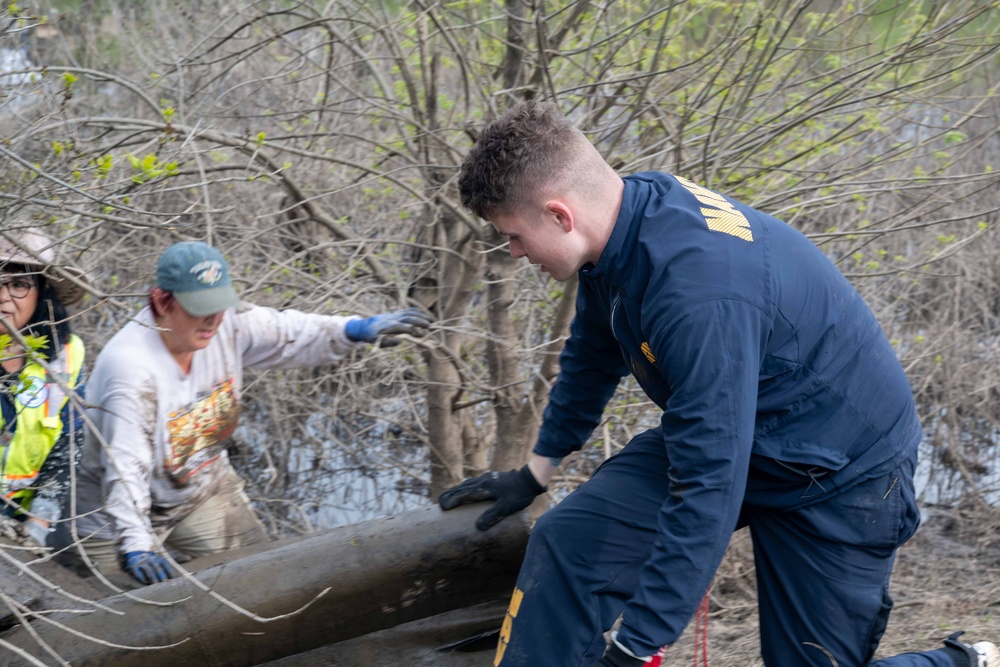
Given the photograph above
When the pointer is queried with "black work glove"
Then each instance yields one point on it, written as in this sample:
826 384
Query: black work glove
615 657
513 490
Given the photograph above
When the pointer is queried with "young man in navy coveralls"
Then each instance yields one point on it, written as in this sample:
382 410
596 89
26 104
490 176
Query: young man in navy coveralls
785 409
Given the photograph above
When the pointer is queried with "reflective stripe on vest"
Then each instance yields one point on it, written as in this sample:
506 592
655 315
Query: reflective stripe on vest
39 423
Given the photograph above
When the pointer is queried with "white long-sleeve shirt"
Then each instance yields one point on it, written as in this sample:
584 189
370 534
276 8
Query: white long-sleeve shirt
165 430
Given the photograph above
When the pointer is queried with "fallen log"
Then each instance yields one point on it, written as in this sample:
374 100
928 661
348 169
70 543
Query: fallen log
28 581
380 574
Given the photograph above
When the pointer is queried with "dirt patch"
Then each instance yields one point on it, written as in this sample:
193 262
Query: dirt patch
947 578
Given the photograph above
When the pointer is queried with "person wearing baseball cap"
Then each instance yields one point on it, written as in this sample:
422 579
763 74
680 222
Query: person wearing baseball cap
41 368
167 392
198 277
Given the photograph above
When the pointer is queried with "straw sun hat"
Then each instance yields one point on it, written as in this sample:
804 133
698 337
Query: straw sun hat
34 250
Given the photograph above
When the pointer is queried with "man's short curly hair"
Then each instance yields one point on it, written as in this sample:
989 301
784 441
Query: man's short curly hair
527 147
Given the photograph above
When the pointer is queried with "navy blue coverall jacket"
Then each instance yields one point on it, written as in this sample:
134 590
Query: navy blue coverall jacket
765 360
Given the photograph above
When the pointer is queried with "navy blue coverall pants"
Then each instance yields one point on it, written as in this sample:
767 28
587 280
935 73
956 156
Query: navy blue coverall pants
822 570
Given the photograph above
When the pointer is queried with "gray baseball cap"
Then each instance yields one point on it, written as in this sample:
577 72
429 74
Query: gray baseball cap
198 276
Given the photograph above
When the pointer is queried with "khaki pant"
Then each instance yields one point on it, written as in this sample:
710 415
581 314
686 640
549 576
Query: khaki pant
223 521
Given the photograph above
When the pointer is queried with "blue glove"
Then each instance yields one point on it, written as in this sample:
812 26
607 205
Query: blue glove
412 321
147 567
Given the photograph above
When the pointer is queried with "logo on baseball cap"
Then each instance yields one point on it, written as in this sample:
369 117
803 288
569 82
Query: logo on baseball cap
198 276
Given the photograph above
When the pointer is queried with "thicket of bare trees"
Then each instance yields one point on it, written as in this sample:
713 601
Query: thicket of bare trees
317 144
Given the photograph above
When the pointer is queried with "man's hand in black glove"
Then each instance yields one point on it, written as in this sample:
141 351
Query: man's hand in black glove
615 657
513 491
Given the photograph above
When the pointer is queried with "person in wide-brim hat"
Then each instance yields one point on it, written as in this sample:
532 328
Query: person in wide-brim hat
36 252
38 418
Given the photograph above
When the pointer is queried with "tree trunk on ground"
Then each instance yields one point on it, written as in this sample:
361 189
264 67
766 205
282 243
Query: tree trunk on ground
347 582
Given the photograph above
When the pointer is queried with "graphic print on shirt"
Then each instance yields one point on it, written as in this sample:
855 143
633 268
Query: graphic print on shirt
198 433
720 215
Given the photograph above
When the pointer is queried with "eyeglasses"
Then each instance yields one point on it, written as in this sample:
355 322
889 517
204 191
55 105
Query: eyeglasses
17 286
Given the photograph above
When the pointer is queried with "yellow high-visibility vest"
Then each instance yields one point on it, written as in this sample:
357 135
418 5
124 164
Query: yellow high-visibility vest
38 400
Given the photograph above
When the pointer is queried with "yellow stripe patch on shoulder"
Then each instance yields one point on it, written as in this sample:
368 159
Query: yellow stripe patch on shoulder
720 215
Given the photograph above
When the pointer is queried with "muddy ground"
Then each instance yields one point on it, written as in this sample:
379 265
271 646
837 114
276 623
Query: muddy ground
947 578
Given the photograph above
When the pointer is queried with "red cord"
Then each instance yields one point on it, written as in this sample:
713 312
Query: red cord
701 633
700 637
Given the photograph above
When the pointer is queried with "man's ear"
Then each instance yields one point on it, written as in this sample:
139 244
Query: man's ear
560 213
